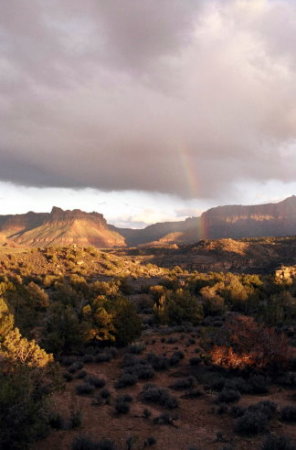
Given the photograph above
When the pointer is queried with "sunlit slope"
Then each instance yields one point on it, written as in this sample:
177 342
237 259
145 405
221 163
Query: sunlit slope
82 232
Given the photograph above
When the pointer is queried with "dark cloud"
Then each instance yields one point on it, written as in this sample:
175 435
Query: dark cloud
186 98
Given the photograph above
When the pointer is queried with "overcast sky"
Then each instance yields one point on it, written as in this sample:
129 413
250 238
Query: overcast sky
146 110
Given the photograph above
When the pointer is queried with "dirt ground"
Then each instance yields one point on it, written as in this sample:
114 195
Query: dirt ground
197 425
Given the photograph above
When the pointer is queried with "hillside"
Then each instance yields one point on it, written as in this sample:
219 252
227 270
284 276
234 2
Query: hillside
260 255
145 356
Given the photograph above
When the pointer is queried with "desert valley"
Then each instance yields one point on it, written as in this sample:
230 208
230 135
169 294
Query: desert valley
127 339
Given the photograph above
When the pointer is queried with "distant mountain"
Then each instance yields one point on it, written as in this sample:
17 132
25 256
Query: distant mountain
77 227
164 231
237 221
231 221
59 228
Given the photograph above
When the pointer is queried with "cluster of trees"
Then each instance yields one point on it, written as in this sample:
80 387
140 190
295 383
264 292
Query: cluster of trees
199 295
26 381
66 313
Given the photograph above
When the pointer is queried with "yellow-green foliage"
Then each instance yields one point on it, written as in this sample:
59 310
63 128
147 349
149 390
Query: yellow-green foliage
175 307
6 320
23 408
16 348
63 331
99 322
22 351
110 288
126 321
111 320
37 295
212 301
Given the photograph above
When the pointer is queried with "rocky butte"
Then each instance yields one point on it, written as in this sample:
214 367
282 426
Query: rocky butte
61 227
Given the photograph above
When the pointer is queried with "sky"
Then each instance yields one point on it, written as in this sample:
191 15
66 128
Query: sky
146 110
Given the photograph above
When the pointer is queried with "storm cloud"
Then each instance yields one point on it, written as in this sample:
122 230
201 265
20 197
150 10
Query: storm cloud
180 97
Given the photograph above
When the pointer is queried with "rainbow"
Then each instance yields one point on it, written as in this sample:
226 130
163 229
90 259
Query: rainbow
187 165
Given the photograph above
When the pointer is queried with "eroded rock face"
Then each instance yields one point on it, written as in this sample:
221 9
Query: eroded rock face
272 219
234 221
59 228
59 215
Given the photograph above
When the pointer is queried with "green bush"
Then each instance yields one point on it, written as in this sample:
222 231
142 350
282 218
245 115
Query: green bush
23 408
177 307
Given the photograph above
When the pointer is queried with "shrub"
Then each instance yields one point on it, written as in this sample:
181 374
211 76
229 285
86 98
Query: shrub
288 414
84 443
22 351
144 372
249 344
237 411
105 393
171 340
75 419
150 441
81 374
146 413
184 383
238 384
23 408
193 393
195 361
126 379
251 423
77 365
63 329
288 379
84 389
258 384
121 406
221 409
273 442
127 323
96 381
265 407
130 360
158 362
113 351
215 382
177 307
56 421
125 398
176 358
136 348
6 319
154 394
106 444
67 376
139 368
228 396
164 419
88 358
68 360
103 357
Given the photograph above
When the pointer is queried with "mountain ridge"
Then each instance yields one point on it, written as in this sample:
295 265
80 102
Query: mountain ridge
67 227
